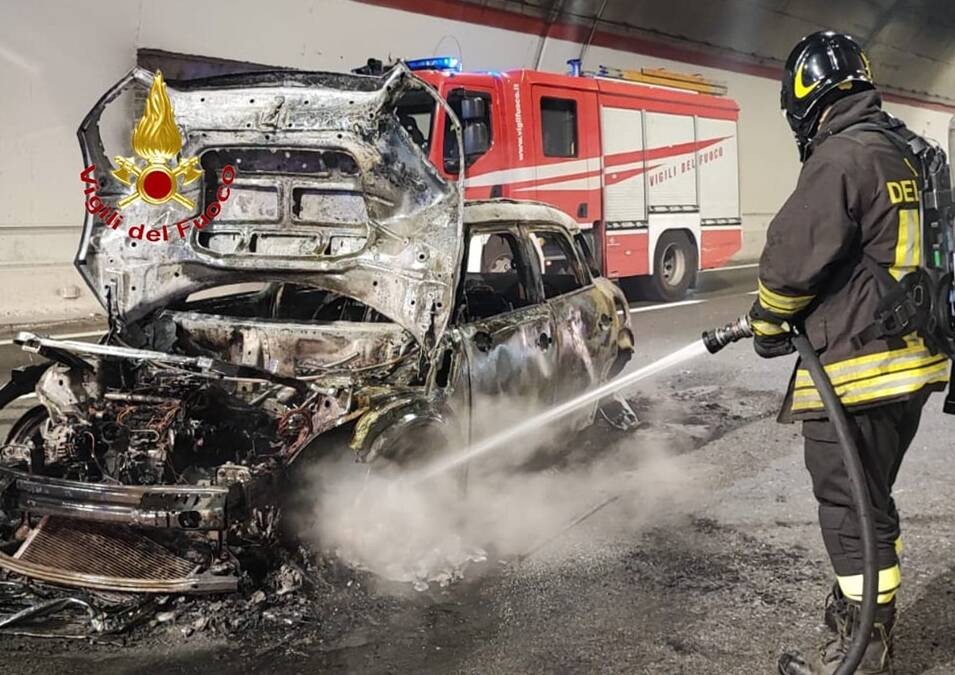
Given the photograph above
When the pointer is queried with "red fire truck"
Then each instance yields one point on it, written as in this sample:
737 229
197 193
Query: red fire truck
649 172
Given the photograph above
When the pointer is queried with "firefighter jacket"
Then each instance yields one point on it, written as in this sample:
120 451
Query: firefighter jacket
857 194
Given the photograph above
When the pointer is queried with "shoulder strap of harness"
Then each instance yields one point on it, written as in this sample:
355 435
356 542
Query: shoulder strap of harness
907 141
896 309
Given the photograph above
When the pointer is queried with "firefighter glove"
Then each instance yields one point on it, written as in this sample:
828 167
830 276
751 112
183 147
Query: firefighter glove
771 337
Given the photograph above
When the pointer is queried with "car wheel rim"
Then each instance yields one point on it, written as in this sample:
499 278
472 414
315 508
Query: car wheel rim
673 265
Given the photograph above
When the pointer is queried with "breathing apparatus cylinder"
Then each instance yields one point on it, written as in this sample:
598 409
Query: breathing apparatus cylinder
717 339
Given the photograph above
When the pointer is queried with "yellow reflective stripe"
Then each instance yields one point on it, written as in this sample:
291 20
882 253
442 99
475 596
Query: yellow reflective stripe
885 386
916 346
891 364
898 546
915 223
781 300
925 372
902 382
929 375
782 304
908 248
767 328
889 581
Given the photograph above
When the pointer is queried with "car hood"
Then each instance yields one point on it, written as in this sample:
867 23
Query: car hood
328 190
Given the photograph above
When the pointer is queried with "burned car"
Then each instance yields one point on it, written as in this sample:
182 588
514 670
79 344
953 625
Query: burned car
342 290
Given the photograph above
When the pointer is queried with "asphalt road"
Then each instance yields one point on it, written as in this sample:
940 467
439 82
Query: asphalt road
707 561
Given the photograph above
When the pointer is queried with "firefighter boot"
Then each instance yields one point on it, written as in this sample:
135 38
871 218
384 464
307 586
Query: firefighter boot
836 608
877 659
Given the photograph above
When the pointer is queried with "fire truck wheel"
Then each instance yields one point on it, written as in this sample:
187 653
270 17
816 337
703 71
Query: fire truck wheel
674 268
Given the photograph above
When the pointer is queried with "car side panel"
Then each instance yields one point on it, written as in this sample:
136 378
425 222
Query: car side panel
511 373
586 344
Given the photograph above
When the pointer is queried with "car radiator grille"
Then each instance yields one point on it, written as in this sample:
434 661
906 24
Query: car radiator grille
104 550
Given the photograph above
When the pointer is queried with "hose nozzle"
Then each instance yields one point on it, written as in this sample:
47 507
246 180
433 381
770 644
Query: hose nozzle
734 331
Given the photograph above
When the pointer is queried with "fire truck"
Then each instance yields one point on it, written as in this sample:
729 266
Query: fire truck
645 161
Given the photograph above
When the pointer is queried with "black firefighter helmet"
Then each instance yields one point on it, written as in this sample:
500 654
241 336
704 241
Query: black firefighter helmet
821 69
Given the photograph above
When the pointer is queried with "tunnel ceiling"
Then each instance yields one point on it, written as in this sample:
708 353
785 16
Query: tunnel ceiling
911 43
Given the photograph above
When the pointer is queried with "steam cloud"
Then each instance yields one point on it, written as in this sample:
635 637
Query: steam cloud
515 500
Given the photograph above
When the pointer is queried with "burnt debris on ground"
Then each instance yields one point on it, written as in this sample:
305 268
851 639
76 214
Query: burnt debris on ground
298 591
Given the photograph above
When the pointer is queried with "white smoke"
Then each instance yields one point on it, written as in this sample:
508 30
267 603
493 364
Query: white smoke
516 500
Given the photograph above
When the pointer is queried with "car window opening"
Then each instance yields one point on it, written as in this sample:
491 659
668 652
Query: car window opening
496 278
282 302
456 100
561 271
415 112
585 246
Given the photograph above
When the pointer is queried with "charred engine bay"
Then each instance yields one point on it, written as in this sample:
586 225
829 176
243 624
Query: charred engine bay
294 598
171 450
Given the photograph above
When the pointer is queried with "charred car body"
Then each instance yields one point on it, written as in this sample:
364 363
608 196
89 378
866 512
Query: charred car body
344 288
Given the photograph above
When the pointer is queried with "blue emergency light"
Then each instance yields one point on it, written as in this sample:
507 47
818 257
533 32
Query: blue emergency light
435 63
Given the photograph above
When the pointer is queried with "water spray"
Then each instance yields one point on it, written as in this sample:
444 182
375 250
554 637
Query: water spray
555 414
713 341
718 338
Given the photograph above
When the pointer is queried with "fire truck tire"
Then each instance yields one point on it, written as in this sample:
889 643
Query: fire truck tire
674 268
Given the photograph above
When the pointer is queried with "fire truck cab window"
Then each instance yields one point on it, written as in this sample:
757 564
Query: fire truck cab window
470 115
559 127
496 278
561 270
415 113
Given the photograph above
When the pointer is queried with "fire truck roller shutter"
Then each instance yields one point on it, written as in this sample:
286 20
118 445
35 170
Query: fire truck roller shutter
625 248
718 166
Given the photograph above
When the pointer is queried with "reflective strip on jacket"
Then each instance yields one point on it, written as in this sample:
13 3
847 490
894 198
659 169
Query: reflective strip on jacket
874 377
856 193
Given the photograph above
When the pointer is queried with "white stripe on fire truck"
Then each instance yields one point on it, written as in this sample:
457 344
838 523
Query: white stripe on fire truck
558 170
586 183
543 172
623 231
620 168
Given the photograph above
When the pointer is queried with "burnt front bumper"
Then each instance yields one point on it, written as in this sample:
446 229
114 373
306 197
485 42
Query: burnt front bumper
160 506
91 535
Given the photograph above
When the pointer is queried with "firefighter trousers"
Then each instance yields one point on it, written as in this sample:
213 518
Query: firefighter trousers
883 434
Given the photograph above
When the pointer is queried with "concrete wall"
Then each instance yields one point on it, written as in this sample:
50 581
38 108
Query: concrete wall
56 59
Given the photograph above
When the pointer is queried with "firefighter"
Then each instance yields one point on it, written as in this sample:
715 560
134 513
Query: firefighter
856 204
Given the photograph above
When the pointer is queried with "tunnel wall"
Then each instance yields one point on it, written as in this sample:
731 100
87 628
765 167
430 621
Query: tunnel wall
56 59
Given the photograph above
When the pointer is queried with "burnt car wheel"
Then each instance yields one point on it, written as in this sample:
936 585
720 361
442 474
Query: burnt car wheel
415 447
25 440
409 448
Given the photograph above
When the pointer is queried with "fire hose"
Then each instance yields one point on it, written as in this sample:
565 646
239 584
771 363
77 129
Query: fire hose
717 339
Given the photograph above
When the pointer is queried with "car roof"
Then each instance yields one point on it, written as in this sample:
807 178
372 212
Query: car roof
515 211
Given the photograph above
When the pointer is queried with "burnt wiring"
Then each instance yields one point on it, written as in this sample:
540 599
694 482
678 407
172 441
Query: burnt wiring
104 474
296 423
404 356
